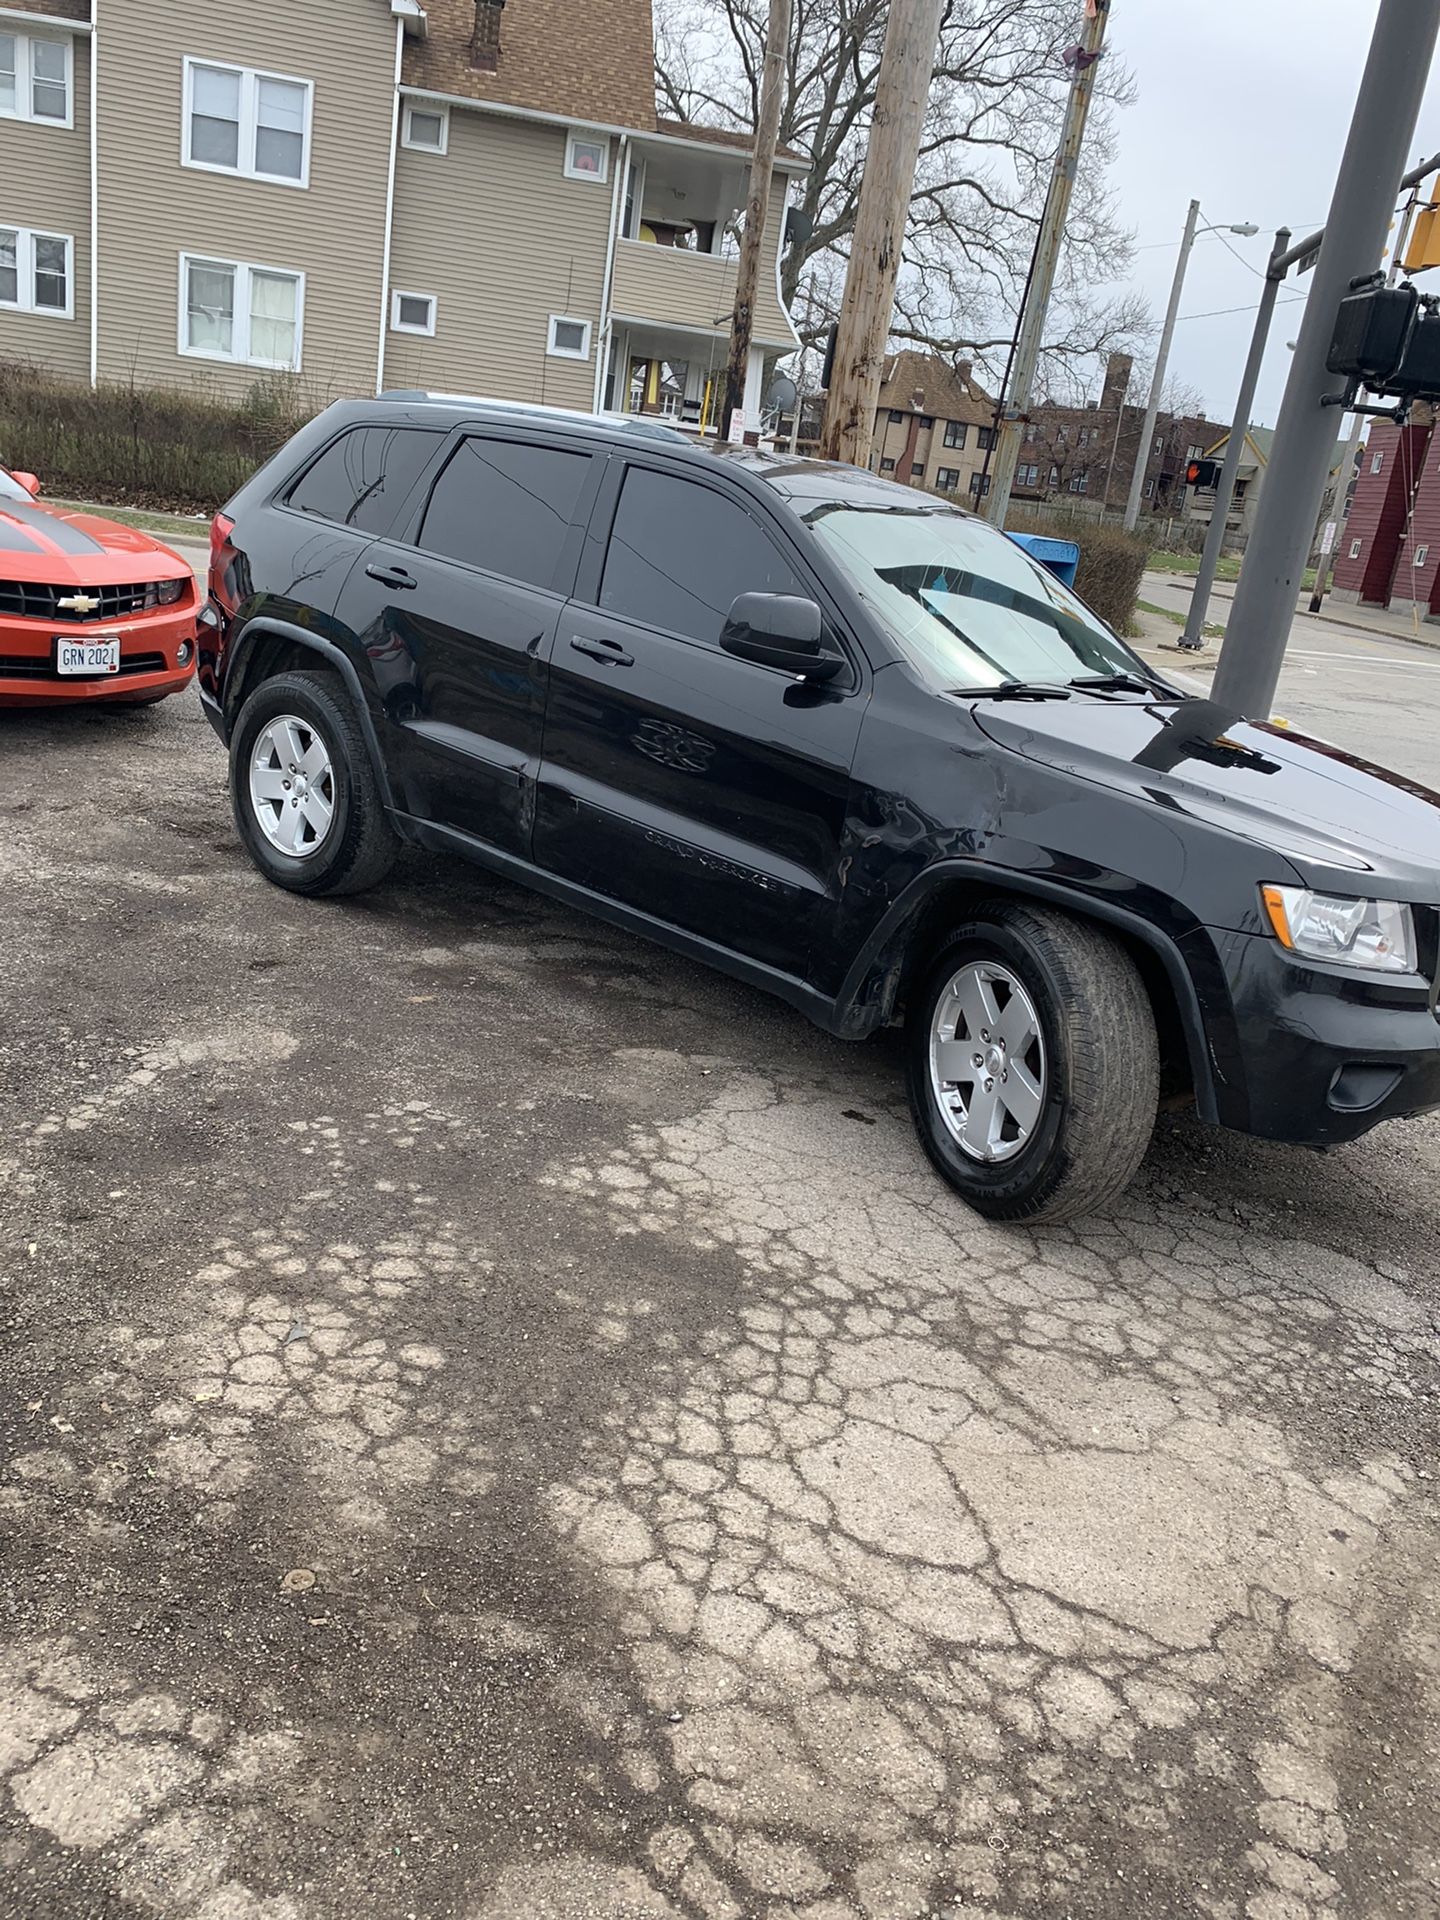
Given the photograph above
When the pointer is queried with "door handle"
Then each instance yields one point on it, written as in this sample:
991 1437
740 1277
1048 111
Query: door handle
609 653
395 577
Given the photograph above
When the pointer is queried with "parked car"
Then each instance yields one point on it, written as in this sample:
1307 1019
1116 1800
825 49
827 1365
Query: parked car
846 742
89 610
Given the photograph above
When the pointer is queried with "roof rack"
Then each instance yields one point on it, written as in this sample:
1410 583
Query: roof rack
625 422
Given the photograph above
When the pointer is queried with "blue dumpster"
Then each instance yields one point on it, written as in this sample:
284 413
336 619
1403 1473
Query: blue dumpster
1062 557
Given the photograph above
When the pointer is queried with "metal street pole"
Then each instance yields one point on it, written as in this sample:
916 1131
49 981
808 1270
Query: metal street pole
757 208
1047 256
901 95
1147 432
1193 636
1387 107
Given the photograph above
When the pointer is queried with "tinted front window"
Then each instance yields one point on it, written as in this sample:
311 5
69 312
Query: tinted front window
680 553
505 507
364 478
963 602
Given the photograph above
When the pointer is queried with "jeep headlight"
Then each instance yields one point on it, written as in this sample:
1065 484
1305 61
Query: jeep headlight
1378 935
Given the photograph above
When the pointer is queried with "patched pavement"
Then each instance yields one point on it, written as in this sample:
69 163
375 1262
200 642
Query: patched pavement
500 1422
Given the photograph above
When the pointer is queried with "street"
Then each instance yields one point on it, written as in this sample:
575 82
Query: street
502 1423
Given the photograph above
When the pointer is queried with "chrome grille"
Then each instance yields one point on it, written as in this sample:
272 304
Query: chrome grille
35 600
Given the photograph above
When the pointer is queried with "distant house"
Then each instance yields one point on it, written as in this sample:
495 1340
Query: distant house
352 194
1388 551
1254 459
933 425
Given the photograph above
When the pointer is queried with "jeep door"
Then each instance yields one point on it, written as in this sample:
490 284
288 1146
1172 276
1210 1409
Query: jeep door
704 790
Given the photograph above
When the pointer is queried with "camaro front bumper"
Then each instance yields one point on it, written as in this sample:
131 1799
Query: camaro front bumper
1312 1053
150 663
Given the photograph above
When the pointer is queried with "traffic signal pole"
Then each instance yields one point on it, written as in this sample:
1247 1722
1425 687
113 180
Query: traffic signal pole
1193 636
1387 107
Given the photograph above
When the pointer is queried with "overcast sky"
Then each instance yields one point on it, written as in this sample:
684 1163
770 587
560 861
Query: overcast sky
1245 106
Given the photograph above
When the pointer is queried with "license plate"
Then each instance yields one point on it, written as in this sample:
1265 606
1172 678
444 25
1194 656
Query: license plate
98 653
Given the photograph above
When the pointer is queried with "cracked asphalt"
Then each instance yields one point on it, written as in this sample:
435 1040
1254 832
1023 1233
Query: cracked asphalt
499 1423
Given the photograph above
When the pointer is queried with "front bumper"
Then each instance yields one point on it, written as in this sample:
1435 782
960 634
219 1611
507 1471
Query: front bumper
150 665
1311 1053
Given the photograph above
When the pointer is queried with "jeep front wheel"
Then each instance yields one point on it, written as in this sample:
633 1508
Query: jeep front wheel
1032 1064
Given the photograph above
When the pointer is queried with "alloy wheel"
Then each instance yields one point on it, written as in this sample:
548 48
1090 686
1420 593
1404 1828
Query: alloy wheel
988 1071
292 786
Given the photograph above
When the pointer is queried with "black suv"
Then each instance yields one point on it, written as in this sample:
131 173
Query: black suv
843 740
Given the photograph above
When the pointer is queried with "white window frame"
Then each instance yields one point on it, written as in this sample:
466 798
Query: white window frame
24 108
1355 546
25 272
1422 554
567 353
576 136
437 111
249 78
397 294
240 268
1378 462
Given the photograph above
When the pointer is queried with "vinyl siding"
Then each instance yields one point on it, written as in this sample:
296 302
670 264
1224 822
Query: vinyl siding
497 233
668 285
152 208
45 183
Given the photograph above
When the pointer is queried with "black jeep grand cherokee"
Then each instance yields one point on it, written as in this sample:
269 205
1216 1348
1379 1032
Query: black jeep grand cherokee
842 740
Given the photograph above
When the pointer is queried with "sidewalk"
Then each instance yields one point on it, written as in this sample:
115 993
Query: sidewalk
1374 623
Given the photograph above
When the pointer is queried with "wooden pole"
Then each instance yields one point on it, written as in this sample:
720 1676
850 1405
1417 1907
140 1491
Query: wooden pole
757 207
911 34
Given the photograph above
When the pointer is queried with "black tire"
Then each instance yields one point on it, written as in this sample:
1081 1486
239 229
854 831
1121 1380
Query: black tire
1101 1057
359 846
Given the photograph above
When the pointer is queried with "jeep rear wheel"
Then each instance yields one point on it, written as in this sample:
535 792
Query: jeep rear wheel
1032 1064
306 800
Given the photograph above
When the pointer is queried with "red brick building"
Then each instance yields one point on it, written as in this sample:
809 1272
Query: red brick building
1390 545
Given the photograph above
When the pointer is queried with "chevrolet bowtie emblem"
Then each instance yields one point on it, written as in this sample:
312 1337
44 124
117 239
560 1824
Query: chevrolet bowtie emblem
78 603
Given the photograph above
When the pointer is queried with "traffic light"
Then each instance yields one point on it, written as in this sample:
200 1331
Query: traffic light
1422 250
1202 473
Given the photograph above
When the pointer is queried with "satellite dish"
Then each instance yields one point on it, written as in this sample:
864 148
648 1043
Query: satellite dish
782 393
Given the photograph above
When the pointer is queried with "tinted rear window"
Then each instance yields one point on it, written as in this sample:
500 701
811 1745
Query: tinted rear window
365 476
505 506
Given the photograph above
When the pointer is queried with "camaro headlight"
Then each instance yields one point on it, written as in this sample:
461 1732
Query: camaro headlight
1376 934
164 593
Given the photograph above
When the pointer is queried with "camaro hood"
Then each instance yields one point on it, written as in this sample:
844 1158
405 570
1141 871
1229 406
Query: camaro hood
47 543
1322 808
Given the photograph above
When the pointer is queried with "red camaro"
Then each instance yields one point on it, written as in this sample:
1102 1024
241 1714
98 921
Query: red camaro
89 610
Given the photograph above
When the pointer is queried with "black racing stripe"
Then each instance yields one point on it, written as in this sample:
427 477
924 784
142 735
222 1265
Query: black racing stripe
12 540
69 539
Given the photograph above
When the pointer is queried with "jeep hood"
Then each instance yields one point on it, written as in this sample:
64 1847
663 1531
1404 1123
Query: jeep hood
1334 816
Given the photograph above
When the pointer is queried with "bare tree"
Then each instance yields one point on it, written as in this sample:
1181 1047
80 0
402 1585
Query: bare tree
990 135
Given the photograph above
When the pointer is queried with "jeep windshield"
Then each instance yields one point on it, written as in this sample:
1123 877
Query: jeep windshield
968 608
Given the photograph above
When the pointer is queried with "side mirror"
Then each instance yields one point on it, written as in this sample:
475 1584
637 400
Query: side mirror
29 482
780 630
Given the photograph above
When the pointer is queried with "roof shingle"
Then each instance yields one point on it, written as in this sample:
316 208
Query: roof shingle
588 62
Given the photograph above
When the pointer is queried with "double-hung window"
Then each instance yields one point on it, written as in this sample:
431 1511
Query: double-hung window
37 272
35 77
247 314
241 121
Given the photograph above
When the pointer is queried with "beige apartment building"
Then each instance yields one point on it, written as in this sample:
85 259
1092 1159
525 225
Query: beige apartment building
933 426
464 195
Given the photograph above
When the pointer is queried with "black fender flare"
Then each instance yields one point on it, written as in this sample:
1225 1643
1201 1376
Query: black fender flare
333 656
856 1013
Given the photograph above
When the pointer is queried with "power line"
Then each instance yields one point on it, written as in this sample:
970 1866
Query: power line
1296 300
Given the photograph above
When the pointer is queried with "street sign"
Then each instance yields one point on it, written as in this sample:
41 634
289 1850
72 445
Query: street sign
1307 260
737 426
1327 537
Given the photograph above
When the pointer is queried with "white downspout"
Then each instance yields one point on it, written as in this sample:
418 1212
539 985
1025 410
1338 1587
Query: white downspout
617 200
95 195
389 208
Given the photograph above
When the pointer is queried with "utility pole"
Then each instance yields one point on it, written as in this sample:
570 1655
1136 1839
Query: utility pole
1157 379
1047 256
907 64
1386 110
757 207
1194 635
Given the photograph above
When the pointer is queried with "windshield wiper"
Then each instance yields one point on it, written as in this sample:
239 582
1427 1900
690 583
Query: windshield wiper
1118 683
1014 690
